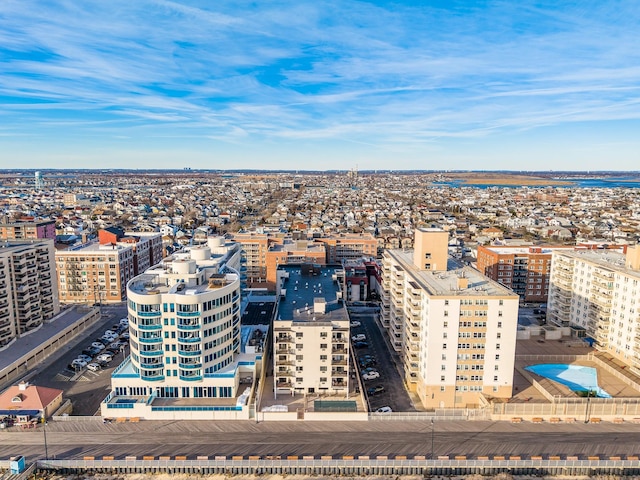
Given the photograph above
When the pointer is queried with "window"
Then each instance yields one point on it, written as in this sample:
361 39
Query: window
499 324
498 335
323 346
298 334
498 357
497 346
444 346
299 346
442 378
443 367
427 266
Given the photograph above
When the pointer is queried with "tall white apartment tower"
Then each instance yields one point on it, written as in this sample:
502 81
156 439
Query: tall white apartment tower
598 291
454 328
184 323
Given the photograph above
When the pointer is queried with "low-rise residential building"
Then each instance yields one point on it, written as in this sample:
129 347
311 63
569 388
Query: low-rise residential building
28 293
454 328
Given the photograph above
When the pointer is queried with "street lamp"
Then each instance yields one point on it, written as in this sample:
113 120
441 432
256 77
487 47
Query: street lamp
44 432
432 436
586 410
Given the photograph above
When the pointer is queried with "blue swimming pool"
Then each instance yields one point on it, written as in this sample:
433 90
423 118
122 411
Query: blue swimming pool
577 377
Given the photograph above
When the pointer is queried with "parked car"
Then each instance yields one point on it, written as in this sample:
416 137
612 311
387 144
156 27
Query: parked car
371 375
98 345
355 323
94 367
85 358
360 337
124 321
385 409
125 335
105 357
117 345
375 390
361 345
79 363
109 332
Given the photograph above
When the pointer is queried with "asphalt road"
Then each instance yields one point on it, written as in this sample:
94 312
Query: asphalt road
395 394
72 440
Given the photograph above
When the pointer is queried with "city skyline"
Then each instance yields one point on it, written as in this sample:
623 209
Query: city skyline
318 86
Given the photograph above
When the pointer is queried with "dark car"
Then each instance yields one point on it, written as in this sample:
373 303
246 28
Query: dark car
361 345
375 390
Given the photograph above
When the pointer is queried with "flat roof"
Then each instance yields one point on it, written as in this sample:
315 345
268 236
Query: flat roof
525 249
604 258
258 313
446 283
307 285
33 339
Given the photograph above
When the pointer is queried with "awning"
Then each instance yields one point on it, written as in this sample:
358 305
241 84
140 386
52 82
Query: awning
13 413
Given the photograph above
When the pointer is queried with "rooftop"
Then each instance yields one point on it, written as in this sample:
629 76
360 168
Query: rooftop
307 285
604 258
446 283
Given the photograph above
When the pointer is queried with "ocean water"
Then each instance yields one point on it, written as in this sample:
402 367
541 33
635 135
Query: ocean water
609 182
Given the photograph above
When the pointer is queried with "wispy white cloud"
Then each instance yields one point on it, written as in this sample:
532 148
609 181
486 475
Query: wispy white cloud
378 74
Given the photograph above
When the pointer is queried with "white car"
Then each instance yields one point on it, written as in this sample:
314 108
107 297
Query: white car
98 345
104 357
384 409
124 321
84 358
117 345
79 363
371 375
94 367
355 323
359 337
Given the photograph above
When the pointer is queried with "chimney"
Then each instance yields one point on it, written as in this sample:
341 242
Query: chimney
463 283
22 386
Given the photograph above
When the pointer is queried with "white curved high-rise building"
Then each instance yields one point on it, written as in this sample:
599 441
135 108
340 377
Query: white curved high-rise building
185 335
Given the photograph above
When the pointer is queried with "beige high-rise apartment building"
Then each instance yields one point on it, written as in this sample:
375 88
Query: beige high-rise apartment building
597 293
454 328
28 293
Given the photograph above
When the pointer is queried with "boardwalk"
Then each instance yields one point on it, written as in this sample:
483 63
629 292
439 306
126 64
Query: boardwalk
69 440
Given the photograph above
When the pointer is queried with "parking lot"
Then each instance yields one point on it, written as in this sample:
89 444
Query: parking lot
86 388
373 355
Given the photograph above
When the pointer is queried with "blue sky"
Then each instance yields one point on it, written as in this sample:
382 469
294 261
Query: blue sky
517 85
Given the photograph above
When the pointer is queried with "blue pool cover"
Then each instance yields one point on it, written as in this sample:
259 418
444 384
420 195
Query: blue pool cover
577 377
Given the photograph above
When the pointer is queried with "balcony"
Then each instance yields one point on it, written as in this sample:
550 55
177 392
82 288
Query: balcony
189 353
147 340
189 339
150 353
151 327
188 326
151 366
190 365
339 350
284 339
148 314
285 373
188 314
191 378
153 378
285 351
